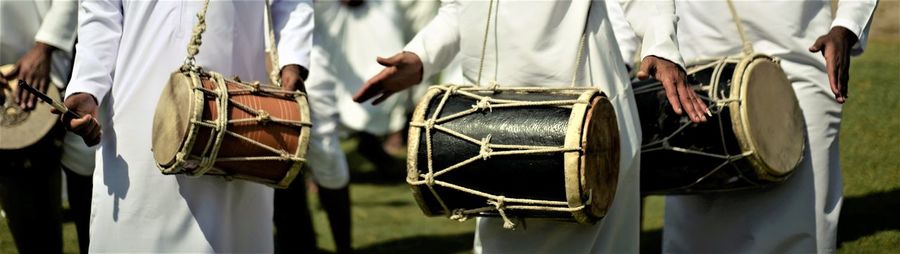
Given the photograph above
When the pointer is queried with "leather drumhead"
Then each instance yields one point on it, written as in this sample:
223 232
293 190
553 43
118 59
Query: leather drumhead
600 163
172 118
772 117
19 129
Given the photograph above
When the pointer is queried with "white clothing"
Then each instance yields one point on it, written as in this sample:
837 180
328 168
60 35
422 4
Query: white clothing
22 23
535 43
353 37
126 52
801 214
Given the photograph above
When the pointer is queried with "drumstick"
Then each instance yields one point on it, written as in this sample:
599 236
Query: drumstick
53 103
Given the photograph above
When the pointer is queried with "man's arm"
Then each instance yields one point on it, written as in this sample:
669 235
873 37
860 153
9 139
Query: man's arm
293 23
848 35
654 22
57 32
59 25
856 16
100 26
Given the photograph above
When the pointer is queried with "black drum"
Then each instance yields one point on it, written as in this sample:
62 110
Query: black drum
514 152
754 138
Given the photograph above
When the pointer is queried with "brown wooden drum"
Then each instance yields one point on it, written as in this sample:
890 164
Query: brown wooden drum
514 152
206 124
754 137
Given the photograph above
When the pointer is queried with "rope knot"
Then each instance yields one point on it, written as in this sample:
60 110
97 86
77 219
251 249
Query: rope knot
459 215
482 104
499 204
493 85
255 87
429 124
485 151
429 178
263 117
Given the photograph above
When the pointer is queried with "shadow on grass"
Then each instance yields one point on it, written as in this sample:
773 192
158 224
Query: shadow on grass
431 244
869 214
651 241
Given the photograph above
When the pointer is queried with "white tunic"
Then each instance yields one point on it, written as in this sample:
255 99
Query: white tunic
534 43
22 23
126 52
801 214
350 38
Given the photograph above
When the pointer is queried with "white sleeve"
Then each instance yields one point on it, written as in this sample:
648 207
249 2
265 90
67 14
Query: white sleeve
100 29
654 22
438 43
58 27
625 37
856 16
293 25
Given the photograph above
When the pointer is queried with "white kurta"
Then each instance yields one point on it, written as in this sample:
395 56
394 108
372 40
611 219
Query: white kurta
22 23
535 43
801 214
351 38
126 52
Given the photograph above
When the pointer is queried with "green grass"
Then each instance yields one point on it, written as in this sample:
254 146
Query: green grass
387 220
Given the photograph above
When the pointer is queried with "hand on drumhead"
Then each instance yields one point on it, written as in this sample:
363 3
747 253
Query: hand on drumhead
835 47
401 71
679 92
292 77
87 126
34 69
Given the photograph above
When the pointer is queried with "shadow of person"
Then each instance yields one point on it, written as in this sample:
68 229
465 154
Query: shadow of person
115 171
432 244
867 215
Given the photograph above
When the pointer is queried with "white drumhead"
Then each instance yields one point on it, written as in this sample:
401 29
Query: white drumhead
771 122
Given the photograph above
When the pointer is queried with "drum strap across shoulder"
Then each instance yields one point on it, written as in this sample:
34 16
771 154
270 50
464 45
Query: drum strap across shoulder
747 46
190 62
487 27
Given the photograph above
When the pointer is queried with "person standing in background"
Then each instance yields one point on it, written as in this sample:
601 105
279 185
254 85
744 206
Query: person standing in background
39 38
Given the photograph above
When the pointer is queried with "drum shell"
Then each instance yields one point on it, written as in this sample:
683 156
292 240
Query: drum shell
237 157
532 176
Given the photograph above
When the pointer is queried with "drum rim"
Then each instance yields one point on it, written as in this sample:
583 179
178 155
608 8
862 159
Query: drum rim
575 162
412 148
196 114
40 110
741 121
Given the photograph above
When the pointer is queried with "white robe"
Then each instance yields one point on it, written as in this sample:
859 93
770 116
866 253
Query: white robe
126 52
535 44
350 38
801 214
22 23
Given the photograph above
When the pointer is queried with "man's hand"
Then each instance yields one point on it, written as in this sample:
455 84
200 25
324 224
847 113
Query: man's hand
292 78
34 69
401 71
87 126
680 94
835 47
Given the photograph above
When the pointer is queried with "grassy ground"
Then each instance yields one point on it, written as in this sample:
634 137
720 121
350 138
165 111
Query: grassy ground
387 220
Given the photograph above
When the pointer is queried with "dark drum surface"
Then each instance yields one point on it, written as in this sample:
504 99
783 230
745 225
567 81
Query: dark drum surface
532 176
664 171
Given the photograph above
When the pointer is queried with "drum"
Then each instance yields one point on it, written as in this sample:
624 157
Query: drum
206 124
514 152
20 128
754 138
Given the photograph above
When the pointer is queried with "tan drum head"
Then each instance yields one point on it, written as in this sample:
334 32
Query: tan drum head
20 129
772 122
172 119
600 163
